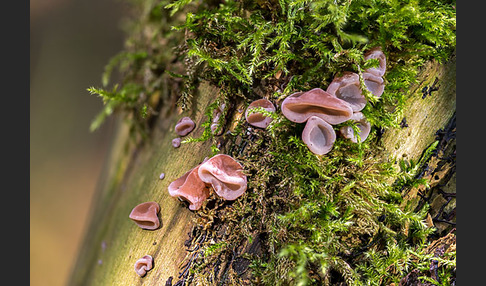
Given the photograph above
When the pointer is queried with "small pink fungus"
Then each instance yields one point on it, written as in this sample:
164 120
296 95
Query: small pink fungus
217 120
257 119
374 83
145 215
318 135
190 188
184 126
347 88
363 125
176 142
143 265
300 106
376 53
225 176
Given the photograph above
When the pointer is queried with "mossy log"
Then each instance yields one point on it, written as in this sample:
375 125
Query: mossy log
113 242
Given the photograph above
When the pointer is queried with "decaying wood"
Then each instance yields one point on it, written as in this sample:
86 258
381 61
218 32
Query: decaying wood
430 116
113 242
430 106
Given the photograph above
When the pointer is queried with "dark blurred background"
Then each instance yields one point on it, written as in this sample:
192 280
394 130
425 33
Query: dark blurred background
70 43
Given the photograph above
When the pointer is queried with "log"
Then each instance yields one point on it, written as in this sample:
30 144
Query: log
113 242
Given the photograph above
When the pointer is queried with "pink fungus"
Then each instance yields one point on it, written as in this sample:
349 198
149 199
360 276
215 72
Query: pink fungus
257 119
225 176
300 106
376 53
145 215
184 126
176 142
318 135
363 125
374 83
190 188
347 88
143 265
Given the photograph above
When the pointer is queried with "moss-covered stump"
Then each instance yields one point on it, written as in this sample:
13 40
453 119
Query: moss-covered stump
379 212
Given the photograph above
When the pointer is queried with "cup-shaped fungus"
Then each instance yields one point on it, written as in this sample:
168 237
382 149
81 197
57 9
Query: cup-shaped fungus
376 53
143 265
374 83
318 135
347 88
300 106
145 215
190 188
184 126
363 125
225 175
258 119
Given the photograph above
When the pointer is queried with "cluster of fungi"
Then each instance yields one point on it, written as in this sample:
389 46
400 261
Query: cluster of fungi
318 109
341 102
221 172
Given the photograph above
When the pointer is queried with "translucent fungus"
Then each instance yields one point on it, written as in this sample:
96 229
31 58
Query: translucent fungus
184 126
225 176
318 135
374 83
258 119
347 88
300 106
176 142
190 188
363 125
145 215
376 53
143 265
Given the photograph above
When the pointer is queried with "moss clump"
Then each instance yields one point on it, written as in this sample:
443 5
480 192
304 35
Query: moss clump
272 48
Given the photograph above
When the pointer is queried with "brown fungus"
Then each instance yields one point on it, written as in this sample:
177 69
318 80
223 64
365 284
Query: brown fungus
143 265
257 119
318 135
376 53
190 188
347 88
363 125
225 176
184 126
300 106
145 215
